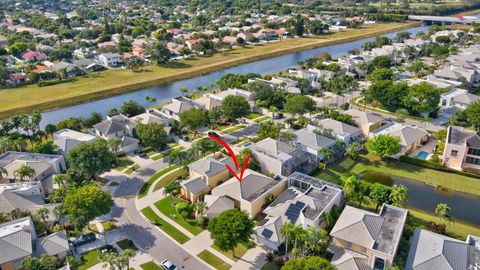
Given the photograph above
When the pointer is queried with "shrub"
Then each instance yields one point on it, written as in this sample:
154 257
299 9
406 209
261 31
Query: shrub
182 207
436 227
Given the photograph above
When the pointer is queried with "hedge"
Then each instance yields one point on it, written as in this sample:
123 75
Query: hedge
435 166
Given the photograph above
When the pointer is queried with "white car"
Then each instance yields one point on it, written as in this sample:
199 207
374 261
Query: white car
168 265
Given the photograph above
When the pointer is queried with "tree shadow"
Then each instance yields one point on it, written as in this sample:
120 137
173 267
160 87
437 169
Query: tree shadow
140 235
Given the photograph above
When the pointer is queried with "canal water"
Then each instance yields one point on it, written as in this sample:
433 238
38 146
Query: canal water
165 92
465 207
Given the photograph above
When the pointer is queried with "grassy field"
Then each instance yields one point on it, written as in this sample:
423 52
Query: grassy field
112 82
89 259
150 266
144 189
213 260
165 206
366 163
126 244
167 180
165 226
240 250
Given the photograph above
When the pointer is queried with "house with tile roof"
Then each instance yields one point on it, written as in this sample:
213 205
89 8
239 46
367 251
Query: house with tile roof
251 194
66 139
280 158
19 241
365 240
429 250
177 106
312 143
457 98
410 136
303 203
118 126
462 149
341 131
366 121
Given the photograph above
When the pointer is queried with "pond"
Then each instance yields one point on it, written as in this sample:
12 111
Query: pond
421 196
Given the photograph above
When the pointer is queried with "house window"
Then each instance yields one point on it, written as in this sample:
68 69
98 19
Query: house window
473 151
454 153
349 245
471 160
444 102
379 264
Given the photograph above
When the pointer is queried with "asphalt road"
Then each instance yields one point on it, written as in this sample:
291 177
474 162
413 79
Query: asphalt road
140 231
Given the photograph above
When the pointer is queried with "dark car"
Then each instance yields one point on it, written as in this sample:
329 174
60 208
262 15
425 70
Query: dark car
143 155
84 239
212 133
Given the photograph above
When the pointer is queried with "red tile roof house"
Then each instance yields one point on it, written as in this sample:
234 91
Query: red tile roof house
175 31
192 42
32 56
18 77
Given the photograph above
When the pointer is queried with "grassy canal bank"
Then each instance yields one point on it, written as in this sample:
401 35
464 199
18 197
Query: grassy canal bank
113 82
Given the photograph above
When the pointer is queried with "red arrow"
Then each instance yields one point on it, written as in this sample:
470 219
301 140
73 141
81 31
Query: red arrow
234 158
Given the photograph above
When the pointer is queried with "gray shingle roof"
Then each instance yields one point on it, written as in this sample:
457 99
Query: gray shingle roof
10 201
313 140
52 244
15 245
208 166
195 185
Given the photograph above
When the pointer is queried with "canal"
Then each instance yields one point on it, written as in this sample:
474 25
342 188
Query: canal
465 207
165 92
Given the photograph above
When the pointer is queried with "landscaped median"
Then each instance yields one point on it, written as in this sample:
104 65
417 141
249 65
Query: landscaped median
165 206
146 186
164 225
213 260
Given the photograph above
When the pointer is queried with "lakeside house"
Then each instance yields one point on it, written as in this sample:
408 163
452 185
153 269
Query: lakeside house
338 130
313 143
66 139
366 240
411 137
462 149
118 126
367 121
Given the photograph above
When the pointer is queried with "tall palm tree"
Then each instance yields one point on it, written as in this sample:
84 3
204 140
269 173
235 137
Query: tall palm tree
316 241
200 208
287 232
327 154
350 186
443 211
42 214
24 172
184 90
59 215
151 99
399 196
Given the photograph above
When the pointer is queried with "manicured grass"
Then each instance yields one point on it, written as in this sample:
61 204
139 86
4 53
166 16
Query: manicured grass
123 163
113 82
253 116
220 128
144 189
126 244
167 179
165 226
261 119
132 169
164 154
270 266
150 266
165 206
366 163
240 250
107 226
213 260
233 129
89 259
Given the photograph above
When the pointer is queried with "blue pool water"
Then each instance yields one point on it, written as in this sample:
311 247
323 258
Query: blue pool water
422 155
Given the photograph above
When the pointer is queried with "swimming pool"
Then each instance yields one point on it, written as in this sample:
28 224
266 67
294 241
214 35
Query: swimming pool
422 155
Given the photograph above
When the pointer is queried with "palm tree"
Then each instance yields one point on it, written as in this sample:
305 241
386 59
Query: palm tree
200 208
316 241
151 99
299 234
287 231
42 214
353 150
184 90
124 259
443 211
24 171
59 215
399 196
327 154
177 156
350 186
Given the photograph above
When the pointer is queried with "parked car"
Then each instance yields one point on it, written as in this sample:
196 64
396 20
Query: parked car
84 239
143 155
168 265
213 133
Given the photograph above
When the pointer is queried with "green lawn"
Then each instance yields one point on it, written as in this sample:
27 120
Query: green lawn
261 119
144 189
366 163
240 250
233 129
270 266
89 259
220 128
213 260
123 163
167 179
164 154
132 169
150 266
126 244
165 226
253 116
107 226
165 206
